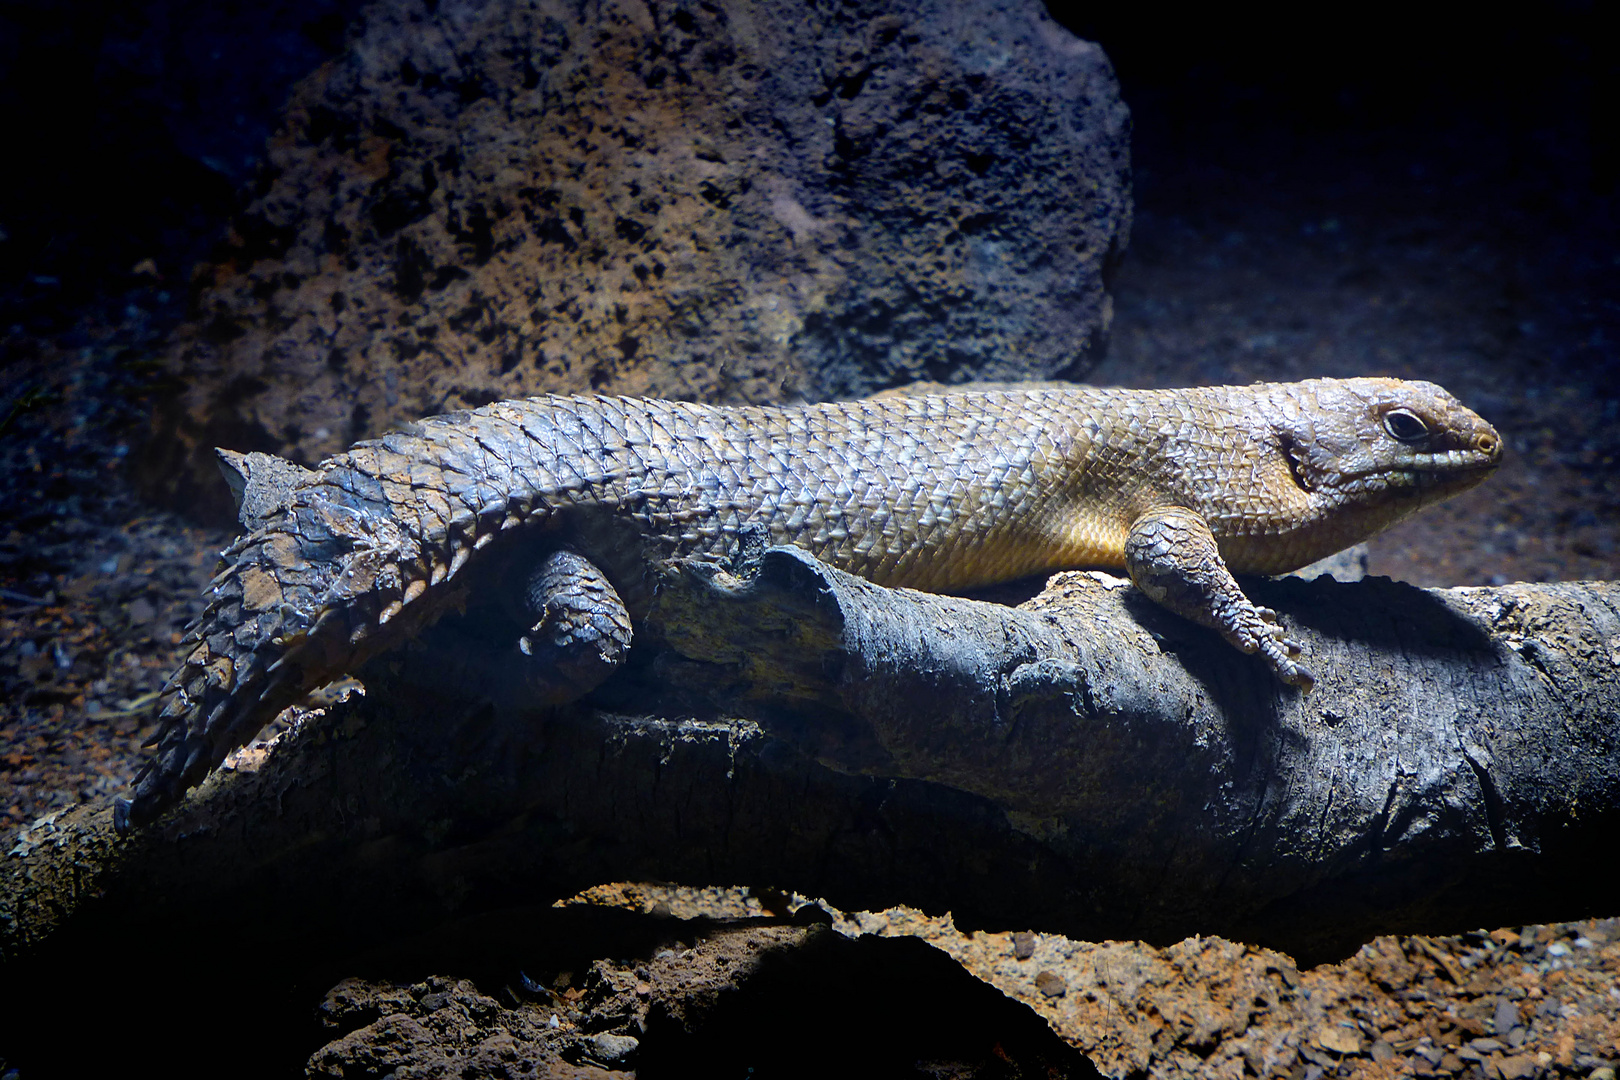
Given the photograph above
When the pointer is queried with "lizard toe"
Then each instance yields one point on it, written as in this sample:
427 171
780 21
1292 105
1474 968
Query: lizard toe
1280 654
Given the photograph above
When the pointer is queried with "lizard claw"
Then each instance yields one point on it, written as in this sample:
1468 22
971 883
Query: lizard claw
1265 634
1281 656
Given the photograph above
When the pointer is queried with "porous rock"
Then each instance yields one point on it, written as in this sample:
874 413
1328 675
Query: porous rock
748 201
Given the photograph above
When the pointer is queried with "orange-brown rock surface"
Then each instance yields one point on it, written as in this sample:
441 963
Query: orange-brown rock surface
1501 1004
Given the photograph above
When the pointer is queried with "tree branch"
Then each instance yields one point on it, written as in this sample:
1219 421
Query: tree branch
1085 763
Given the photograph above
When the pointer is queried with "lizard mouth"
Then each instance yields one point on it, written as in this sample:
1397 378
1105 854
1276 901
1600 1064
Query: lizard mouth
1450 463
1470 460
1426 474
1421 471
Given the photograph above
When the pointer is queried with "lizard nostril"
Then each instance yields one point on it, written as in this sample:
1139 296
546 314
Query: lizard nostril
1486 444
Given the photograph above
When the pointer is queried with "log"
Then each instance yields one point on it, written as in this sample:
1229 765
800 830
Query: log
1084 763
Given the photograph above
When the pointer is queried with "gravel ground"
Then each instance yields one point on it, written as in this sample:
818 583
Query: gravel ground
95 587
1535 1001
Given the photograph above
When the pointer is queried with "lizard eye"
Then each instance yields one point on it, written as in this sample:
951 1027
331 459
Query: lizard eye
1405 426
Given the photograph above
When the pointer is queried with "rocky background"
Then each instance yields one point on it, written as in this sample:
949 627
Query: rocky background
1387 199
758 202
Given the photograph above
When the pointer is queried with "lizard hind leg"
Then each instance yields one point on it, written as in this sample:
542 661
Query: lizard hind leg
1172 556
581 630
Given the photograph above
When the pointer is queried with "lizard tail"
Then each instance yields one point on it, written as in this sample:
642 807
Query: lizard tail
302 600
357 557
254 653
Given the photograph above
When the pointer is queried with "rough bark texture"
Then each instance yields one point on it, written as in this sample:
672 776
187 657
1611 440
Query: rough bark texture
757 201
1085 764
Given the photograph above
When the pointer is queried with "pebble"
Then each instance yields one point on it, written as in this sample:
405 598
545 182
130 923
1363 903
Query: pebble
1339 1039
611 1048
1023 945
1051 985
1521 1067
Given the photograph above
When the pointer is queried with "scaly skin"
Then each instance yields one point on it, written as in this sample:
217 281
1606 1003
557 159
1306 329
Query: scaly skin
1182 488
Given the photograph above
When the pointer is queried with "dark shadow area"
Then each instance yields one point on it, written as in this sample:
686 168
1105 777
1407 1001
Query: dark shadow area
1240 94
134 129
1576 867
871 1007
246 1011
829 1006
1362 615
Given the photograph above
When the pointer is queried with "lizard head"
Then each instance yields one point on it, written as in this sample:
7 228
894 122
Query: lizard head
1385 447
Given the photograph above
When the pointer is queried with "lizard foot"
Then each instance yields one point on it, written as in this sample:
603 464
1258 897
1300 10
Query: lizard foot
1173 558
1281 652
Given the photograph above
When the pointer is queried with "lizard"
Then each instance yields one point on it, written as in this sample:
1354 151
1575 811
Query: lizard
1179 488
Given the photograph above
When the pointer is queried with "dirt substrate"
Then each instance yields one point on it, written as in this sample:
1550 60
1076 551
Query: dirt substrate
723 983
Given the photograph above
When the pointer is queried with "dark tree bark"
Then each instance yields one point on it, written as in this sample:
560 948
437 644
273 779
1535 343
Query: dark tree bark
1084 763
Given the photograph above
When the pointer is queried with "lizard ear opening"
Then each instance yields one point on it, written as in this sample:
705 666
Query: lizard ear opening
1290 452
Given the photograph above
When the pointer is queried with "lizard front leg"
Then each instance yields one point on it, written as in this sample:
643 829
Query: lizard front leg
1172 556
